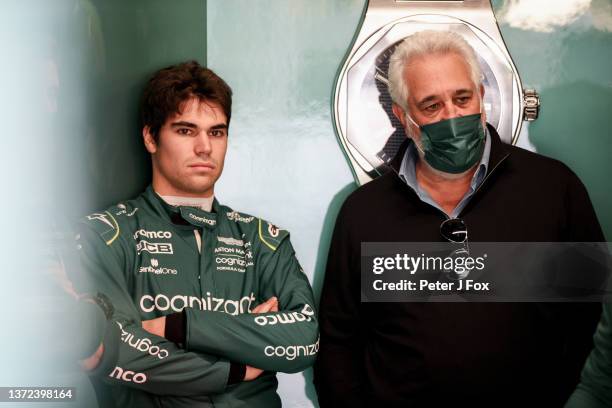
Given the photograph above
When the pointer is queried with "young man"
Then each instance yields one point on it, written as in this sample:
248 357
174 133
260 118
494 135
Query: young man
210 302
452 166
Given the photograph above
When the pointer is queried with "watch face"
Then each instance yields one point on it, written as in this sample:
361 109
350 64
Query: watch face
370 133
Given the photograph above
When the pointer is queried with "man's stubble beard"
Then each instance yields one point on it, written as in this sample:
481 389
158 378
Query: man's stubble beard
193 186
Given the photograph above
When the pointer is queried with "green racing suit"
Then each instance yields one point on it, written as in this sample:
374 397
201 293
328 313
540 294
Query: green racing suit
153 259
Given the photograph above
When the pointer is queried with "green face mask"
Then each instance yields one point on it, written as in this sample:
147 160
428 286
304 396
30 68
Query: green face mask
453 145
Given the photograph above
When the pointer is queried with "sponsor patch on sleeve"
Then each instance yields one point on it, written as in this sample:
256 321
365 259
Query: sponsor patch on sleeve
270 234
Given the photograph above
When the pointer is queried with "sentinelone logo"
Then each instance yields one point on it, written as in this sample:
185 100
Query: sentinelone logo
411 264
155 269
149 303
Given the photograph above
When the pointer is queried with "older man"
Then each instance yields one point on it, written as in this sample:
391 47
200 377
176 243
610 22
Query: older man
453 166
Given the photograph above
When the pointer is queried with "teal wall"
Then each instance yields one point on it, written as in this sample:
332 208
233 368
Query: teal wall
565 52
100 154
71 76
283 161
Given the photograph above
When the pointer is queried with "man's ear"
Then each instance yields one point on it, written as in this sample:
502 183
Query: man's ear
148 139
399 114
484 112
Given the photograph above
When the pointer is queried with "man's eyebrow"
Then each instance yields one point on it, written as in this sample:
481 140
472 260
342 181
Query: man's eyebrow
430 98
184 124
464 91
426 100
191 125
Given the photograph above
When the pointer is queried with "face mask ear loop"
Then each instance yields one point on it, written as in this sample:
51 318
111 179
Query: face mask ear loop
410 119
418 127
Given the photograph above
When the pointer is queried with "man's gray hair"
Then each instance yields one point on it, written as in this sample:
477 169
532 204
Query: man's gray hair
425 43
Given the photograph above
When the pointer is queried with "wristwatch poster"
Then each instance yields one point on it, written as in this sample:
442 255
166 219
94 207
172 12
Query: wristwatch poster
367 130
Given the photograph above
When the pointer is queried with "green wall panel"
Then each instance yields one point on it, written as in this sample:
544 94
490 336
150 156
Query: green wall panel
283 162
565 52
101 76
71 78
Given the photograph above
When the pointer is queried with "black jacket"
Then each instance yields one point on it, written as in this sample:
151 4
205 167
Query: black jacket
456 354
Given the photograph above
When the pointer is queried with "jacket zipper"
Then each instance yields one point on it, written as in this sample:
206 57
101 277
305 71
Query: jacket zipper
198 239
483 181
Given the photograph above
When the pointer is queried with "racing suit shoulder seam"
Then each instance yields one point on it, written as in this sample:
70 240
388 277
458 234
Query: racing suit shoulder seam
104 224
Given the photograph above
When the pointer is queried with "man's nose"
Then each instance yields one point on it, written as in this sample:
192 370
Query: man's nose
450 111
202 144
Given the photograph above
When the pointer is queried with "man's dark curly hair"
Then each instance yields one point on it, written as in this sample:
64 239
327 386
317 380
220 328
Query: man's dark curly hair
170 87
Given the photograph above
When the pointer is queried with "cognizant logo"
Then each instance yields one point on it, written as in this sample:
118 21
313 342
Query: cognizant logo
127 375
222 260
202 220
292 352
149 303
144 344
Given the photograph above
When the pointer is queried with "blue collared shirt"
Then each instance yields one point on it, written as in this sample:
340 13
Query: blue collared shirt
407 172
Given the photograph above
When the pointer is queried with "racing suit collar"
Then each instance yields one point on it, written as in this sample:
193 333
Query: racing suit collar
204 203
198 217
182 214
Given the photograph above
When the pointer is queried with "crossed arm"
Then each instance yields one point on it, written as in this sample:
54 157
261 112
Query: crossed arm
157 327
217 349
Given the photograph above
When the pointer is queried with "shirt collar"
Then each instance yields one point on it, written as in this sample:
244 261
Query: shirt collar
204 203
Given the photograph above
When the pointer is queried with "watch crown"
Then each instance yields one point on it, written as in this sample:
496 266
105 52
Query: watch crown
531 105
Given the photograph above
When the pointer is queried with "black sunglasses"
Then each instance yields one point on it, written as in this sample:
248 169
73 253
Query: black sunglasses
454 230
